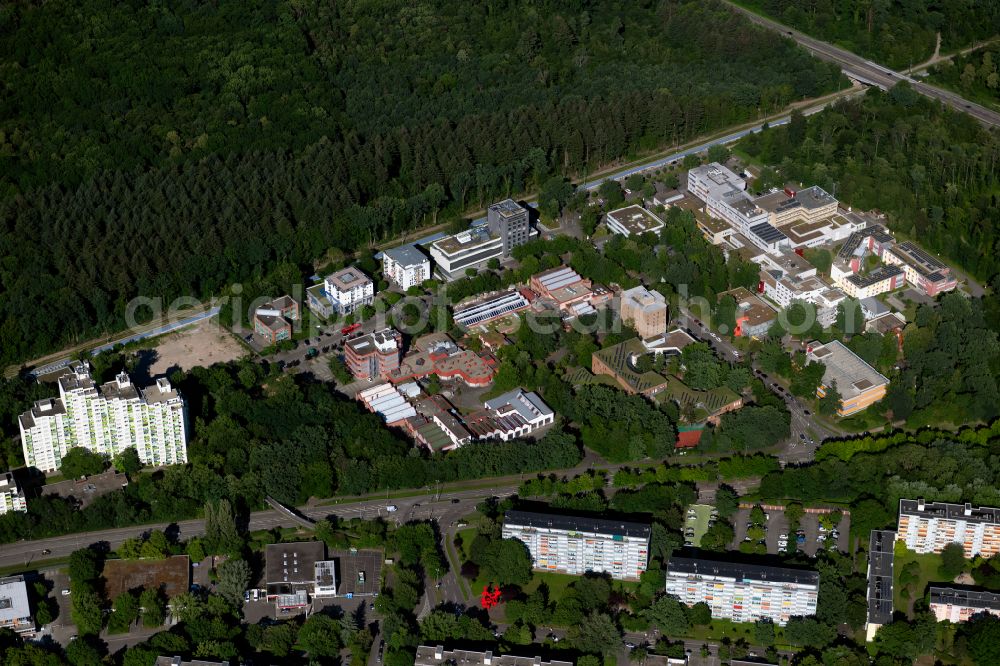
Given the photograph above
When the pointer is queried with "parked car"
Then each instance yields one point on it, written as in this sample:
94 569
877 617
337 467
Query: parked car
65 592
390 508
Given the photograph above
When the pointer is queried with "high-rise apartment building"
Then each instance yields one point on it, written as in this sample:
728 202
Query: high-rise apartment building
405 266
645 310
572 545
105 419
11 497
743 592
958 604
927 527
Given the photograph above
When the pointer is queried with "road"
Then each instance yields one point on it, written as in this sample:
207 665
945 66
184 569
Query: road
806 431
861 69
22 553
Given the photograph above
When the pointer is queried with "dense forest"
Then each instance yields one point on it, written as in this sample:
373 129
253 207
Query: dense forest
896 33
171 148
933 171
974 75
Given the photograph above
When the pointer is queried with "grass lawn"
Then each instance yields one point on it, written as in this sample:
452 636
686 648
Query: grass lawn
928 564
862 421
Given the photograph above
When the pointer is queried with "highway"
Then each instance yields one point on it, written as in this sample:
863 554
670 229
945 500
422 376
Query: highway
429 506
869 72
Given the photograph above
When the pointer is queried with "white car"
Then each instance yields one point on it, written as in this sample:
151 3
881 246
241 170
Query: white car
390 508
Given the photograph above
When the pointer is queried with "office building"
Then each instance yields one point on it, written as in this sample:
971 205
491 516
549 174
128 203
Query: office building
507 227
880 565
572 545
430 655
374 355
484 309
813 233
645 311
958 604
922 269
509 220
290 572
11 497
633 221
405 266
872 239
513 415
881 280
105 419
743 592
788 206
858 383
273 320
343 292
754 317
15 611
568 291
927 527
887 323
711 181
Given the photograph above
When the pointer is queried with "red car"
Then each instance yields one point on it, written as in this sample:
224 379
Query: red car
349 329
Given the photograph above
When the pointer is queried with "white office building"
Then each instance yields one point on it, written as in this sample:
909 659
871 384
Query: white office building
406 266
513 415
15 611
572 545
11 497
105 419
743 592
633 221
927 527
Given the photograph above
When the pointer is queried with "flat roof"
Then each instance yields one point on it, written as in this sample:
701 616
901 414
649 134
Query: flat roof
358 571
880 274
880 565
643 299
348 278
751 306
508 208
814 197
466 241
636 219
768 233
14 604
577 523
557 278
286 564
946 511
406 255
967 597
852 375
427 656
691 566
919 259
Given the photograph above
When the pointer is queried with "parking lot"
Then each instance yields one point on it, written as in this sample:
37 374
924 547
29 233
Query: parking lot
808 539
696 523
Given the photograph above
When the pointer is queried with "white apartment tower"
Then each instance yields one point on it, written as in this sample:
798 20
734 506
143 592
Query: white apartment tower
406 266
105 419
572 545
743 592
11 497
927 527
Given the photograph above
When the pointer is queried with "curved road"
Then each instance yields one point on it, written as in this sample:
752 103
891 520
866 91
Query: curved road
881 76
